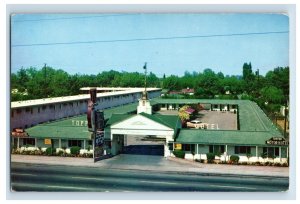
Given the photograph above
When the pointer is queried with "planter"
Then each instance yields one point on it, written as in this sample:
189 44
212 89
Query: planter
217 161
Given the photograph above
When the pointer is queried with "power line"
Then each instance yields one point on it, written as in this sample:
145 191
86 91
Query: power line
75 17
149 39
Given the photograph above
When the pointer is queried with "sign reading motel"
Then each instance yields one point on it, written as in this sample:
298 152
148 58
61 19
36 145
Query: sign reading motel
277 141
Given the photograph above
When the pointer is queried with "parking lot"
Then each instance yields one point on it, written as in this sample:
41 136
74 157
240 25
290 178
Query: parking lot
218 120
214 119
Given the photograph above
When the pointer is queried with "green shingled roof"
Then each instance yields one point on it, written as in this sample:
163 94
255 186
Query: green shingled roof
53 131
73 127
251 117
167 120
170 121
255 126
229 137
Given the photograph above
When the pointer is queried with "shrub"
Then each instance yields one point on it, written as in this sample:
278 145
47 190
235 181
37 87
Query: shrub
210 157
218 154
179 153
235 159
60 152
75 150
49 151
257 163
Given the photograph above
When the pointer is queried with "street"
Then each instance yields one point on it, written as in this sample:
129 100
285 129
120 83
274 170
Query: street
37 177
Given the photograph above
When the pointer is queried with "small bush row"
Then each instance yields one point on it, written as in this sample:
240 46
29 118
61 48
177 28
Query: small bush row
75 152
179 153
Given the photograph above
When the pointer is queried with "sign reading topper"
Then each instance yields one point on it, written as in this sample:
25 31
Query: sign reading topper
277 141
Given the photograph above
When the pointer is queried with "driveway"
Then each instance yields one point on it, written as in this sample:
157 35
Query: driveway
142 162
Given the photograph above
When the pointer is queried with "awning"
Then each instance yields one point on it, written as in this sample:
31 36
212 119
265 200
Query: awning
189 110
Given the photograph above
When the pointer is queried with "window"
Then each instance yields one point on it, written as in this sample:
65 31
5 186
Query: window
44 107
90 142
271 151
19 111
186 147
216 148
29 141
39 109
215 106
27 109
12 113
242 150
73 143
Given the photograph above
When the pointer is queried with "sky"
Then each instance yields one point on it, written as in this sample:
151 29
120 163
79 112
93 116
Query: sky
169 43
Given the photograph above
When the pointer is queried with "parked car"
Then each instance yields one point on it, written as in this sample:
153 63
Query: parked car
193 123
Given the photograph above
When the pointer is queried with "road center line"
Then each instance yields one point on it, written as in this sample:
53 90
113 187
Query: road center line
161 182
87 178
232 187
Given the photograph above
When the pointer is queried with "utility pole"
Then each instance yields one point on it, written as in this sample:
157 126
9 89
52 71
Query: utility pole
285 117
45 80
145 68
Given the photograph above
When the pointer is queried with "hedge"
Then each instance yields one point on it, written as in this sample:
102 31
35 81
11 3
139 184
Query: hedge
75 150
234 158
210 157
179 153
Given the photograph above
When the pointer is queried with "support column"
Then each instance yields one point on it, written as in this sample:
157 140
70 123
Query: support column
84 144
280 154
18 143
35 142
197 148
59 143
256 152
226 155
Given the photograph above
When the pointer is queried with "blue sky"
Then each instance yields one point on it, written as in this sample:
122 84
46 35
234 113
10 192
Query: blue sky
170 56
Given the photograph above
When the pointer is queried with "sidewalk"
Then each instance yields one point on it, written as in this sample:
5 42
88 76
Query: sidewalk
157 164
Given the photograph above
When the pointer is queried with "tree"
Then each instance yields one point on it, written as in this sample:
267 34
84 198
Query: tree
272 94
183 115
248 77
172 83
207 84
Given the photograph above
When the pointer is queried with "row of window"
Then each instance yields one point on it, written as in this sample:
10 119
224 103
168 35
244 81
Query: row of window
71 143
222 106
18 111
269 151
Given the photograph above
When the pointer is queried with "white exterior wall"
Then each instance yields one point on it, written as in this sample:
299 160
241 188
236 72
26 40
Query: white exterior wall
66 109
203 149
232 109
139 125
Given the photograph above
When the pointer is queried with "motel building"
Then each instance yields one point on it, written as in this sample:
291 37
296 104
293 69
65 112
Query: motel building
152 127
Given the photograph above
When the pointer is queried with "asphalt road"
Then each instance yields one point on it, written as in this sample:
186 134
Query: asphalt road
46 178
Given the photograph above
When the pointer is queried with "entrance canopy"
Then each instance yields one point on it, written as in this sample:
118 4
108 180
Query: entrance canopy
143 124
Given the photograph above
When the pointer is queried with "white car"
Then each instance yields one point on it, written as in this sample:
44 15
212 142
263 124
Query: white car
193 124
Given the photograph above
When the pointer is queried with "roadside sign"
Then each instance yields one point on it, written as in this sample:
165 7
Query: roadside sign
178 146
98 145
47 141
